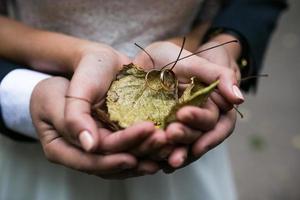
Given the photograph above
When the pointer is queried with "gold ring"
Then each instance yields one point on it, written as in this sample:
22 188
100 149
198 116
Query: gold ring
162 80
146 79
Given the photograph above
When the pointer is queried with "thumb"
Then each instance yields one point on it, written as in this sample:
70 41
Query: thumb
209 72
82 129
89 85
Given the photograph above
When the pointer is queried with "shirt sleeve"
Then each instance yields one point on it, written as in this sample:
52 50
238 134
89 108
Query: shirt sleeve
255 20
15 93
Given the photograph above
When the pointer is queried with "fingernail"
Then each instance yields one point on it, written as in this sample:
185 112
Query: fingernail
86 140
180 161
237 92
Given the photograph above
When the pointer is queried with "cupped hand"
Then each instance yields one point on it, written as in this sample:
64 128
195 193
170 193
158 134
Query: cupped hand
47 110
94 71
179 135
198 128
195 66
226 123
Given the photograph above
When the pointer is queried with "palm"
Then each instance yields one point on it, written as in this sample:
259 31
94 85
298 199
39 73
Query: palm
201 65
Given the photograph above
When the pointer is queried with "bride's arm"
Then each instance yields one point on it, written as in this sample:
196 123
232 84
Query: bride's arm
43 50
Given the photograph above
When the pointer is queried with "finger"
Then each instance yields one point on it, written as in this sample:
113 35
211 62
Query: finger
178 157
220 101
127 138
61 152
211 139
203 118
178 133
155 142
89 84
162 154
209 72
236 69
144 168
82 128
147 167
166 168
218 56
144 61
94 75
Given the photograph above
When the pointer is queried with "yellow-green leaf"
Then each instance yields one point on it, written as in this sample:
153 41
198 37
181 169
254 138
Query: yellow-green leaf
132 99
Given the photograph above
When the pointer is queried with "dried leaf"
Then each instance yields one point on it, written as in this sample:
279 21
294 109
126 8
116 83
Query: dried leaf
195 94
130 99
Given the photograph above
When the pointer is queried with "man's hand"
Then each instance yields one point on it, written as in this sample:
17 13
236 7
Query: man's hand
47 110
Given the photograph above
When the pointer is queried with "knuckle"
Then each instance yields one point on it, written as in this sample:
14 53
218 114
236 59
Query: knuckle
70 120
49 154
201 149
178 133
159 139
231 73
87 166
227 72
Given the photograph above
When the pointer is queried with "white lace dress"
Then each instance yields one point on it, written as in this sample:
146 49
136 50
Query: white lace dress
26 174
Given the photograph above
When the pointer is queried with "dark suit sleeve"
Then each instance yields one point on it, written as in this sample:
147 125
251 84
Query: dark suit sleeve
255 20
5 68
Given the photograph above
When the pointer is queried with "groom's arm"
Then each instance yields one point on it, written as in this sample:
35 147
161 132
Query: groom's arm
5 68
253 22
17 84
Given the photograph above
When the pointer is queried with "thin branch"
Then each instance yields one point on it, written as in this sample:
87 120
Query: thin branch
255 76
153 64
239 112
182 46
213 47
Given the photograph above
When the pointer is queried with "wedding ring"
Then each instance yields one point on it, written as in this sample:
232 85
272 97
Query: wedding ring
168 80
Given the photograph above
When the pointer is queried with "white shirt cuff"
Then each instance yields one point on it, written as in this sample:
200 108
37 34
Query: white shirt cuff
15 93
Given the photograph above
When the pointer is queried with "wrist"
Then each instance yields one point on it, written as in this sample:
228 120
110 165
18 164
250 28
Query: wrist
99 51
234 49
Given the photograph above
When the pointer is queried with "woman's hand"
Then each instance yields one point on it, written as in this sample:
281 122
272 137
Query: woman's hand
95 71
96 67
166 52
196 123
226 57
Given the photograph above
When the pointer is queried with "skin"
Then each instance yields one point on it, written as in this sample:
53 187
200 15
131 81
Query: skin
201 129
92 67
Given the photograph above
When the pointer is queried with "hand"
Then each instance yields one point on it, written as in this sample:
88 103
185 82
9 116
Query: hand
96 69
177 133
165 52
47 110
223 56
97 66
226 123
